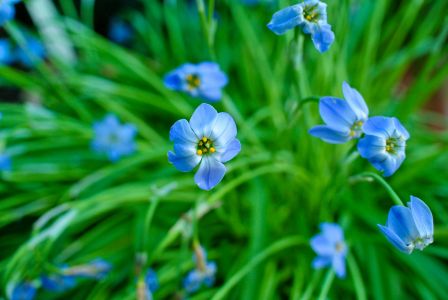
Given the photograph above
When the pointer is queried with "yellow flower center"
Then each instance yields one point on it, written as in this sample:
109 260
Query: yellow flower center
310 14
356 127
391 143
205 146
193 81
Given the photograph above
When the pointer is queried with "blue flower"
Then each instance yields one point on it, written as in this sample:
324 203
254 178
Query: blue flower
120 32
6 55
151 280
208 140
5 162
24 291
384 143
409 227
114 139
58 282
203 274
204 80
343 119
34 52
96 269
311 16
7 10
330 248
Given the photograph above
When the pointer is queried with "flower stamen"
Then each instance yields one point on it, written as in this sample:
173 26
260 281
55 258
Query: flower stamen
205 145
193 81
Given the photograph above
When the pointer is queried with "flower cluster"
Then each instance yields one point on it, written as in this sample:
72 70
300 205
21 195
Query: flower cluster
384 140
203 274
311 16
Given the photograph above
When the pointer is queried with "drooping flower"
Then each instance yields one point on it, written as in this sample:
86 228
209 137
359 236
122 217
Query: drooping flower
384 144
114 139
32 52
343 119
5 162
96 269
24 291
203 274
204 80
330 248
120 31
311 16
58 282
7 10
409 227
208 140
6 54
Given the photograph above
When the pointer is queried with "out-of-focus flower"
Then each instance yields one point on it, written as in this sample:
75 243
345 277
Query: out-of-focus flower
384 143
147 285
151 280
330 248
5 162
208 140
24 291
343 119
7 10
114 139
6 53
96 269
409 227
58 282
203 274
32 52
120 31
311 16
204 80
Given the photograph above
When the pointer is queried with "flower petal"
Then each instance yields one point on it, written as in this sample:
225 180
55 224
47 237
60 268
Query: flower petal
379 126
333 232
400 128
224 130
338 264
323 38
322 246
286 19
401 222
329 135
184 162
230 151
337 113
394 239
356 101
203 119
321 261
210 173
422 217
372 147
181 132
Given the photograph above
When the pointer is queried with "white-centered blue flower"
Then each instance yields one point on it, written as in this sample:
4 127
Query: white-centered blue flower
343 118
208 140
114 139
204 80
411 227
330 248
384 144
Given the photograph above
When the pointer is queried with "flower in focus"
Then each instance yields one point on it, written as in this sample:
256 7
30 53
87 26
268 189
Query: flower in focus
208 140
5 162
96 269
409 227
384 144
203 274
24 291
343 119
7 10
120 31
33 52
311 16
6 54
330 248
114 139
204 80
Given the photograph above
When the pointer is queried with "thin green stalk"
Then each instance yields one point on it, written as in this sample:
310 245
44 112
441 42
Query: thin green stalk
310 288
206 27
357 278
274 248
148 219
328 281
368 176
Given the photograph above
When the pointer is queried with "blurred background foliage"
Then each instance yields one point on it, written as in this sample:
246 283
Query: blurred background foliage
63 204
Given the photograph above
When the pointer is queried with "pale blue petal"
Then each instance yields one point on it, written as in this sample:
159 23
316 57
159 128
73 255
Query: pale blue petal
394 239
356 101
210 173
230 151
422 217
402 131
329 135
379 126
322 246
338 264
203 120
211 94
337 113
181 132
321 261
333 232
323 38
211 75
286 19
184 162
224 130
173 81
400 221
371 146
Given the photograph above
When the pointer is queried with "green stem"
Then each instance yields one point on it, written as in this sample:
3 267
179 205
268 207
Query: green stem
148 219
326 285
206 26
368 176
310 288
274 248
357 279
